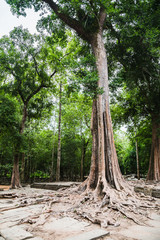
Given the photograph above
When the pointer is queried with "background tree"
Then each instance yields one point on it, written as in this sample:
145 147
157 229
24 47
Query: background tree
27 76
59 134
133 43
126 112
9 123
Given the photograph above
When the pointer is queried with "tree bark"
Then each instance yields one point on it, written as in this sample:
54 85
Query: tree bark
52 163
84 148
15 180
23 165
137 160
24 118
105 171
154 163
59 137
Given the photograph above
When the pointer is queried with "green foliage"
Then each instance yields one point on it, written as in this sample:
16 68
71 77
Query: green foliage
6 170
134 45
125 152
39 174
23 58
25 74
9 115
126 149
84 11
76 115
133 49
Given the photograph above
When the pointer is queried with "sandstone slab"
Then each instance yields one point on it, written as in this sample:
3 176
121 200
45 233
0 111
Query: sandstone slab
36 238
54 185
156 193
91 235
141 233
65 224
15 233
148 190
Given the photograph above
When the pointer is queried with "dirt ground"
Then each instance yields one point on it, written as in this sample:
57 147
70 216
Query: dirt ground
58 215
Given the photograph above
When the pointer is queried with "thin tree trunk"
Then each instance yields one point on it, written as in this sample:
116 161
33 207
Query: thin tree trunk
23 165
137 159
82 161
154 163
52 163
24 118
59 137
84 148
27 175
15 180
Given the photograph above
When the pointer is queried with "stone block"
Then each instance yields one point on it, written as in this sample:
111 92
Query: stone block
147 191
156 193
38 185
91 235
36 238
15 233
139 189
69 225
54 185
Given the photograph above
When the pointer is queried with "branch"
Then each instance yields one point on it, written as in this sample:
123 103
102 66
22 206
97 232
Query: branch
19 81
35 92
53 74
71 22
65 55
21 95
102 18
11 71
36 65
59 61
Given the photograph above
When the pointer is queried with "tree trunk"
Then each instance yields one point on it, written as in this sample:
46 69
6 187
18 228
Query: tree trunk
137 160
105 171
15 180
27 169
84 148
154 163
23 165
52 163
59 138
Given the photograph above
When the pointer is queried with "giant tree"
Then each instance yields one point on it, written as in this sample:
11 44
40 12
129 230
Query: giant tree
88 19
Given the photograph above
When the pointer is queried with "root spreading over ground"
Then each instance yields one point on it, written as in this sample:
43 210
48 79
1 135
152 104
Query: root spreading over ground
105 209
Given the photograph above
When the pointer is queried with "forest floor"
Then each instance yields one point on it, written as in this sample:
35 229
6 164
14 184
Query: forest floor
65 214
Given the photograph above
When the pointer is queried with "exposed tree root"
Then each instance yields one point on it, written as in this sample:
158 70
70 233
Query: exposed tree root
128 203
8 195
107 208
